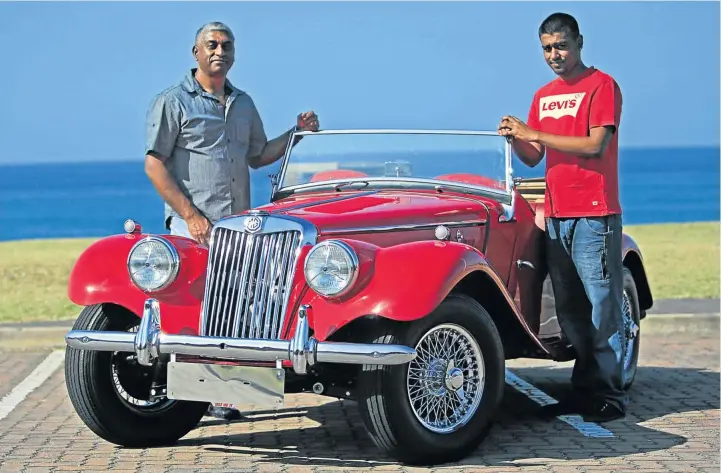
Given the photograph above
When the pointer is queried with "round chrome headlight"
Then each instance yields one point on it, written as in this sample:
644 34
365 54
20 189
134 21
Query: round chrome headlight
153 263
331 268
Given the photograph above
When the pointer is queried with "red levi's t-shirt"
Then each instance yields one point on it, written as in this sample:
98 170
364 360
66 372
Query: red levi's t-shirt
578 186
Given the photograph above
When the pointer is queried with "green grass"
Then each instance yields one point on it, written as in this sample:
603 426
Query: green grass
682 260
34 279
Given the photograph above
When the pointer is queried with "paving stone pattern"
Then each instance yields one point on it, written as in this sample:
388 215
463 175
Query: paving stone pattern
672 426
14 368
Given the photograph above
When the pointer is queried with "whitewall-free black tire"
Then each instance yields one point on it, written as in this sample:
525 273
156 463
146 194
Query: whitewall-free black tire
440 406
98 397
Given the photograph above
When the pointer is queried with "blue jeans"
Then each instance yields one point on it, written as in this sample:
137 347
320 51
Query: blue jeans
586 269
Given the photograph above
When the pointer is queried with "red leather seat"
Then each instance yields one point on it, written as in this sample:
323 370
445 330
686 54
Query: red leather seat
336 174
472 179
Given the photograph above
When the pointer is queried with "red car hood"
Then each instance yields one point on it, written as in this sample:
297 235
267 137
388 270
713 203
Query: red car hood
381 208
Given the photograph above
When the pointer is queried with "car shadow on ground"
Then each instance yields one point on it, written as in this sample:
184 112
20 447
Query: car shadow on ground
517 438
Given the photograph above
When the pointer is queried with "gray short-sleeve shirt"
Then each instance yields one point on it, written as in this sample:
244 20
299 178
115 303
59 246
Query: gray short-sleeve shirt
206 146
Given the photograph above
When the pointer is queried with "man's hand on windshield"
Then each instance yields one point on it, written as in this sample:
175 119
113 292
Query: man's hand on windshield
308 121
512 126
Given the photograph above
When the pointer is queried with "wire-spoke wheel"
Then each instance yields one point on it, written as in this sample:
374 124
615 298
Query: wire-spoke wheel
445 381
631 314
440 406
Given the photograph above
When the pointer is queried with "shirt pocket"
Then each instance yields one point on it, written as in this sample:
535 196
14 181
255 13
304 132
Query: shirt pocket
239 128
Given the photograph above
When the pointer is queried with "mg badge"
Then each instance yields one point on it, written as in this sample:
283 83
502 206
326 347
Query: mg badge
252 224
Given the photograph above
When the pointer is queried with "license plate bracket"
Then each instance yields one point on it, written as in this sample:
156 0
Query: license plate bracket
227 384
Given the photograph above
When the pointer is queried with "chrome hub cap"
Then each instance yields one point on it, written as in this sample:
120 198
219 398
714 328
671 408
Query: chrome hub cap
446 379
454 379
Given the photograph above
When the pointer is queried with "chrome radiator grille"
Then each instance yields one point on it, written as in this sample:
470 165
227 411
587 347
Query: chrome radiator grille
248 283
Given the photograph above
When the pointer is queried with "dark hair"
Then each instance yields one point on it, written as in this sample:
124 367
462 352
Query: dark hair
558 22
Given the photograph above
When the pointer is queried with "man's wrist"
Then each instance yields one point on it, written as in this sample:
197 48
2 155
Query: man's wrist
536 136
188 213
295 129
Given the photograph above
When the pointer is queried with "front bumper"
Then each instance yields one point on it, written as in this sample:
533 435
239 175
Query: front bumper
149 342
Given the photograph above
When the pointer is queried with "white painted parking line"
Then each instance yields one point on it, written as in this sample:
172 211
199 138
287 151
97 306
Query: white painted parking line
29 384
589 429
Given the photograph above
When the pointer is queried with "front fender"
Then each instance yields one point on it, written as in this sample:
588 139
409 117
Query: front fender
100 275
402 283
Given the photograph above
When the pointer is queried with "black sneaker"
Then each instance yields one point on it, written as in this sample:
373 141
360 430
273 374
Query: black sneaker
604 411
223 413
572 404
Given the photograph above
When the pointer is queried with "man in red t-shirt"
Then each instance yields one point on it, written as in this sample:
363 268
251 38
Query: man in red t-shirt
574 122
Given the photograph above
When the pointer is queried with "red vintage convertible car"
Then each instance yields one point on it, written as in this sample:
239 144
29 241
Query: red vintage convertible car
399 268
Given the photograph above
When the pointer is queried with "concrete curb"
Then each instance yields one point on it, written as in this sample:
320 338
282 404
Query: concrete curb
700 326
661 308
685 306
63 326
704 325
43 325
42 334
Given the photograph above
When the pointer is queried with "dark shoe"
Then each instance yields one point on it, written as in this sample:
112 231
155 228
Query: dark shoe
570 405
223 413
604 411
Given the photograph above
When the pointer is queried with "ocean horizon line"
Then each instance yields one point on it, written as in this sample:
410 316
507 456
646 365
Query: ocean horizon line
26 163
88 199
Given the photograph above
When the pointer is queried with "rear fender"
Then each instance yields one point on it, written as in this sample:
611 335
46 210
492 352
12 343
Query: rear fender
404 283
100 275
633 260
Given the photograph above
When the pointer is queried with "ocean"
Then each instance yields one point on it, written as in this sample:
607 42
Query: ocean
93 199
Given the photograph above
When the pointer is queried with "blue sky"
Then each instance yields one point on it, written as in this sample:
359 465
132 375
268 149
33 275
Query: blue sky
79 76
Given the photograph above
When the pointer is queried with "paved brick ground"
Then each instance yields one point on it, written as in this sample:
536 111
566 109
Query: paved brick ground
14 368
673 425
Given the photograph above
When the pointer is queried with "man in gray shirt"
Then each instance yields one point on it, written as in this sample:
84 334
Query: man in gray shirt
201 136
